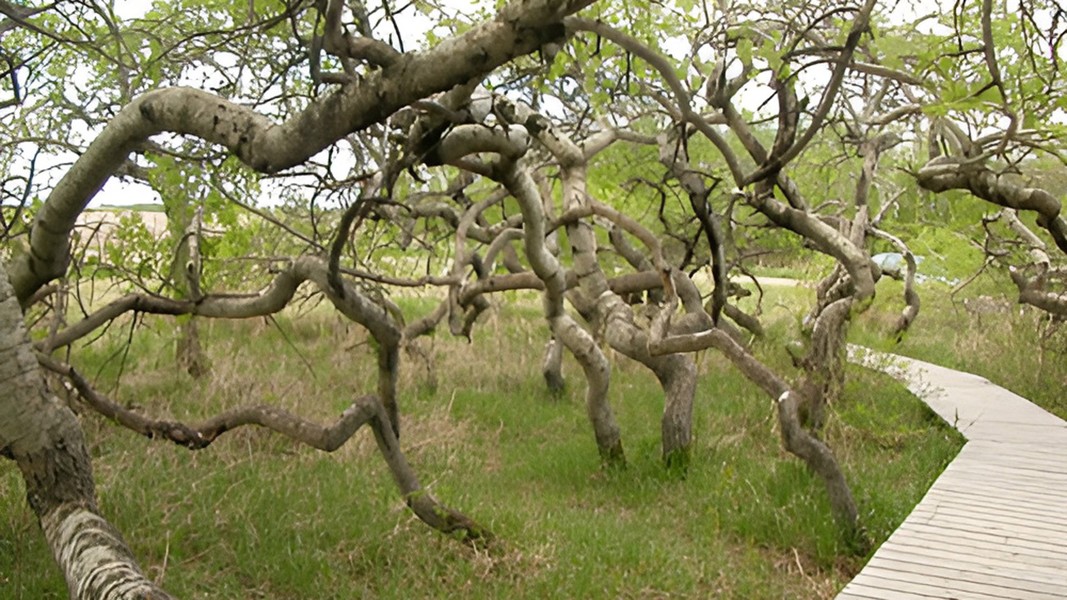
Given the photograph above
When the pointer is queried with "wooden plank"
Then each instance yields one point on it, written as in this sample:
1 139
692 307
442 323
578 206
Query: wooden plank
891 586
989 517
1031 536
1053 483
1008 522
1007 480
877 589
847 595
1011 505
1031 460
971 499
1028 486
1047 451
884 589
934 512
999 566
992 431
1004 478
1037 548
986 493
1038 448
1009 415
858 593
1039 462
951 579
962 471
1018 469
1006 420
1029 451
974 551
1032 449
983 455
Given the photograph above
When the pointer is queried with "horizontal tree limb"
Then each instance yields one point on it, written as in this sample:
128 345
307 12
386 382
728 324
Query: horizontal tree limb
367 409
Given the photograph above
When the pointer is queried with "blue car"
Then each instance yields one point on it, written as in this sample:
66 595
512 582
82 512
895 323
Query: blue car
893 263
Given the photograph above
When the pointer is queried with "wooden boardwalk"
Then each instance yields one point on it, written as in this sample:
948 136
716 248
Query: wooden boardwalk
994 524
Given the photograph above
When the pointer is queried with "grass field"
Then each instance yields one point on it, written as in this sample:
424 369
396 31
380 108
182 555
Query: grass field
255 515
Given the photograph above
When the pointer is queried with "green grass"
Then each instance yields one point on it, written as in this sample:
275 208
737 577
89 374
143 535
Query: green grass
256 515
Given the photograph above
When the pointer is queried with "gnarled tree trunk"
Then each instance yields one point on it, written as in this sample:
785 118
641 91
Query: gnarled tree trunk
185 223
45 439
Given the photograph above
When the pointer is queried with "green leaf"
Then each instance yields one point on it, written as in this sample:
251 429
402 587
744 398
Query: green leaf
744 50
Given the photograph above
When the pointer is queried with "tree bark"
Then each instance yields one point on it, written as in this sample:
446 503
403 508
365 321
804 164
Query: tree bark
511 144
820 459
601 307
184 221
564 328
552 366
948 173
45 439
795 437
824 364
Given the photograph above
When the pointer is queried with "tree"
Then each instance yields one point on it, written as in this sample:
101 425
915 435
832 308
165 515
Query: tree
989 113
65 476
607 170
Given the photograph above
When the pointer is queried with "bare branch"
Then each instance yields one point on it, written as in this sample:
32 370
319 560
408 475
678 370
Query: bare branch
364 410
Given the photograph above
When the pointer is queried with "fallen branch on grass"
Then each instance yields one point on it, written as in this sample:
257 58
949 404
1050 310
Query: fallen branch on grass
364 410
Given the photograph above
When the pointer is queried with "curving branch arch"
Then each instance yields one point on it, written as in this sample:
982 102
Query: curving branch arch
520 27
